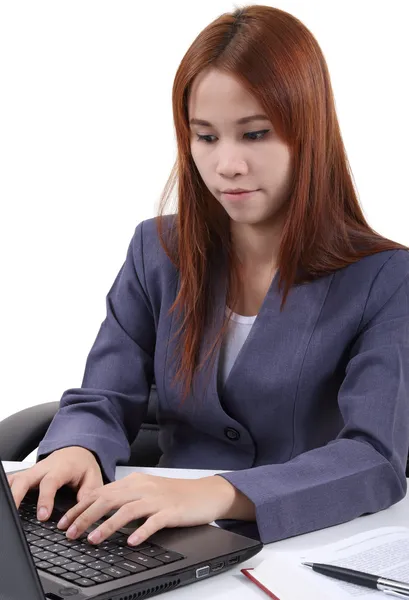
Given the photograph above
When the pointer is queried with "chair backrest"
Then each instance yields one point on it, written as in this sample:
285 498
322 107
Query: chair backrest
22 432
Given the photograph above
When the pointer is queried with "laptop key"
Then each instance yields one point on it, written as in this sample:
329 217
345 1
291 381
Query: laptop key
59 561
34 549
41 543
34 521
130 566
112 559
84 582
45 554
88 572
70 576
99 565
81 547
56 570
40 532
73 566
57 548
168 557
139 546
152 551
96 552
49 524
42 564
70 553
101 578
121 551
69 543
27 527
31 537
146 561
115 572
83 559
55 537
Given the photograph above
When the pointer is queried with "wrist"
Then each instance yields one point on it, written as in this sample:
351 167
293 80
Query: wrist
236 504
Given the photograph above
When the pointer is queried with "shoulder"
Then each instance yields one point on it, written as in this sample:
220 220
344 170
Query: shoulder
381 275
149 227
146 243
153 266
389 267
146 231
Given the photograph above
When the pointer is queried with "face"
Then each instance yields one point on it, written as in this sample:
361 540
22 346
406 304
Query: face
231 155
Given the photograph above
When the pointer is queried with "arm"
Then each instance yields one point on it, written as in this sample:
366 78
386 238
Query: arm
363 469
105 414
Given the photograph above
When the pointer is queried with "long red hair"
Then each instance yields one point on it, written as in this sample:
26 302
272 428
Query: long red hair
278 60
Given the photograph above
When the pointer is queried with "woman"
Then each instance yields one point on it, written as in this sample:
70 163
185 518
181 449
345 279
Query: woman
286 361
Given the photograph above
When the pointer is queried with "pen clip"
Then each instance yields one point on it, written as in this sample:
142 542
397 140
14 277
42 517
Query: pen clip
395 594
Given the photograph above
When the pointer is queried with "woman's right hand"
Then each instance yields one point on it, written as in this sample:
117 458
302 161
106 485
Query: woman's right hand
74 466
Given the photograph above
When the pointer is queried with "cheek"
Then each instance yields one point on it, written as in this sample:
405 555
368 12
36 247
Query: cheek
202 165
281 173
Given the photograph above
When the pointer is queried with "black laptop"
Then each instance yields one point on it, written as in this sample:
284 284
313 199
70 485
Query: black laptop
38 561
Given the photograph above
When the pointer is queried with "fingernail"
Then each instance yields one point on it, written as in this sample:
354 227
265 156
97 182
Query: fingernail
62 522
95 536
72 531
42 513
134 539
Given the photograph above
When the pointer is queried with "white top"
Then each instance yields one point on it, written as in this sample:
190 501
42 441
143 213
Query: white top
237 331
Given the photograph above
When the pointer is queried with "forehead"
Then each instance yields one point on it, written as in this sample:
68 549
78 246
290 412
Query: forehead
215 94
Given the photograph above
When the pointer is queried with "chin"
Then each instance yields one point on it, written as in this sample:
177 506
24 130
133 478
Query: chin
245 220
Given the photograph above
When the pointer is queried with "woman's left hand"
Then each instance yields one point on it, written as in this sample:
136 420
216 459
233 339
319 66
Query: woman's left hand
167 502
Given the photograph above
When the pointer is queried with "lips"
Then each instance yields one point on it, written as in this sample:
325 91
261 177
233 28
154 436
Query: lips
238 191
239 194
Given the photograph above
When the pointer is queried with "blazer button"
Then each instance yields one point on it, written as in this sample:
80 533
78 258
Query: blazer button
232 434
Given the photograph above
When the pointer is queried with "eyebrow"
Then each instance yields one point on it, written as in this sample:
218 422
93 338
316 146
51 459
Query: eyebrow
238 122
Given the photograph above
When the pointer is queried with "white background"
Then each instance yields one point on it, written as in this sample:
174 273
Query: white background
87 143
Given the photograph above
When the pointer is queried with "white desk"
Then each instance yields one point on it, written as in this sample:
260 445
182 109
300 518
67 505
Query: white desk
233 584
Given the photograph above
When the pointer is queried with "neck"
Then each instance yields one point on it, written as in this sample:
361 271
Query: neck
257 246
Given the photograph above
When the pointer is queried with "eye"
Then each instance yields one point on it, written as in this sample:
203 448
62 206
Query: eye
261 135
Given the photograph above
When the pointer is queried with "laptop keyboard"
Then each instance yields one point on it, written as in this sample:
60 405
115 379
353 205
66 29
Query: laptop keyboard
80 561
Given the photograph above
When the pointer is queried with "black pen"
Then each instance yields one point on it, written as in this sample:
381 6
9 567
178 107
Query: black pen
399 589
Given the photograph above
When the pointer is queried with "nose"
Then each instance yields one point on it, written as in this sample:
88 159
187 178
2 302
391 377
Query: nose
231 163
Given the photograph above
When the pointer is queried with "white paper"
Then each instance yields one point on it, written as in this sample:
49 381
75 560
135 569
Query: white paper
383 551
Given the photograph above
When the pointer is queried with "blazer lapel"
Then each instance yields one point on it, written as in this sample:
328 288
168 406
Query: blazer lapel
277 341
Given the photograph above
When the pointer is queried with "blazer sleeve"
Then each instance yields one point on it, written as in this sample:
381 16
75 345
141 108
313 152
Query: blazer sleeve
104 415
363 469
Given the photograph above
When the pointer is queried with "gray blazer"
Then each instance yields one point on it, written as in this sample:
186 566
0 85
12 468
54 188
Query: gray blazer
313 420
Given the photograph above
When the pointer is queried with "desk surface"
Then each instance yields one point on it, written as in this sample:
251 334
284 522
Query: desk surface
233 583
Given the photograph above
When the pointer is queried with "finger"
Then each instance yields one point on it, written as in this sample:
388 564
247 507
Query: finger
88 494
90 482
21 485
86 490
94 506
126 513
75 515
48 487
156 522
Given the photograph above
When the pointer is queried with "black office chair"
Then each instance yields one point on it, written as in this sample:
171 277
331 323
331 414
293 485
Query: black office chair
22 432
